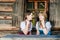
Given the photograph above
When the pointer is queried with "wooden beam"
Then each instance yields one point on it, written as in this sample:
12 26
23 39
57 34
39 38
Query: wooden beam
7 0
6 8
8 27
6 3
6 17
36 5
37 0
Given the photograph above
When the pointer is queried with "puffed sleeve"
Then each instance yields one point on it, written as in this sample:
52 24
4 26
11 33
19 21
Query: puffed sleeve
48 26
22 25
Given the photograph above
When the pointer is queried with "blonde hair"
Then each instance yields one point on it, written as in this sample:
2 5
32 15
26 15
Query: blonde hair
43 14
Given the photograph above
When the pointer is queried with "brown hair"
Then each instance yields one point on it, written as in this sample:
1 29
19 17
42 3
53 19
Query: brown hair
25 16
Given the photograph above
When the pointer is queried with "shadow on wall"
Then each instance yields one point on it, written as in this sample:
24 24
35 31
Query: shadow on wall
53 24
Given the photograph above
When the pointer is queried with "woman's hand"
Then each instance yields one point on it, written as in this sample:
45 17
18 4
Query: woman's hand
44 28
25 31
28 22
37 32
45 31
43 23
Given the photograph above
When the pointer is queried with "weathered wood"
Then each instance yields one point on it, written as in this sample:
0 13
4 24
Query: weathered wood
19 37
6 17
37 0
8 27
6 8
55 12
7 0
6 4
29 38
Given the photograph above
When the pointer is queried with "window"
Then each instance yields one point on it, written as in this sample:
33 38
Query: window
41 5
30 5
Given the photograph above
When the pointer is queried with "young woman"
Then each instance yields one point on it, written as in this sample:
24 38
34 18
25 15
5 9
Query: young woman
26 25
43 27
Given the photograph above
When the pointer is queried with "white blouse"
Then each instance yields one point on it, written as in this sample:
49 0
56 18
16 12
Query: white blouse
47 24
23 25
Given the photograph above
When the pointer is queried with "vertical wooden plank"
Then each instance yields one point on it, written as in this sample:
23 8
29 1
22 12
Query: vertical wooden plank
55 12
35 5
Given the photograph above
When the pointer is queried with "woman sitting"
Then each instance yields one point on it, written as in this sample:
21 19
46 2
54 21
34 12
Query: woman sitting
43 27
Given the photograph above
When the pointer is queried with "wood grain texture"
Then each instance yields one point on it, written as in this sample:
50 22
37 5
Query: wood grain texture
7 0
6 17
8 27
38 0
6 8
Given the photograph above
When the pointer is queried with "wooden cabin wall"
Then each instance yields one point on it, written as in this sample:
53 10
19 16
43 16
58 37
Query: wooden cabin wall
12 9
55 13
18 7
